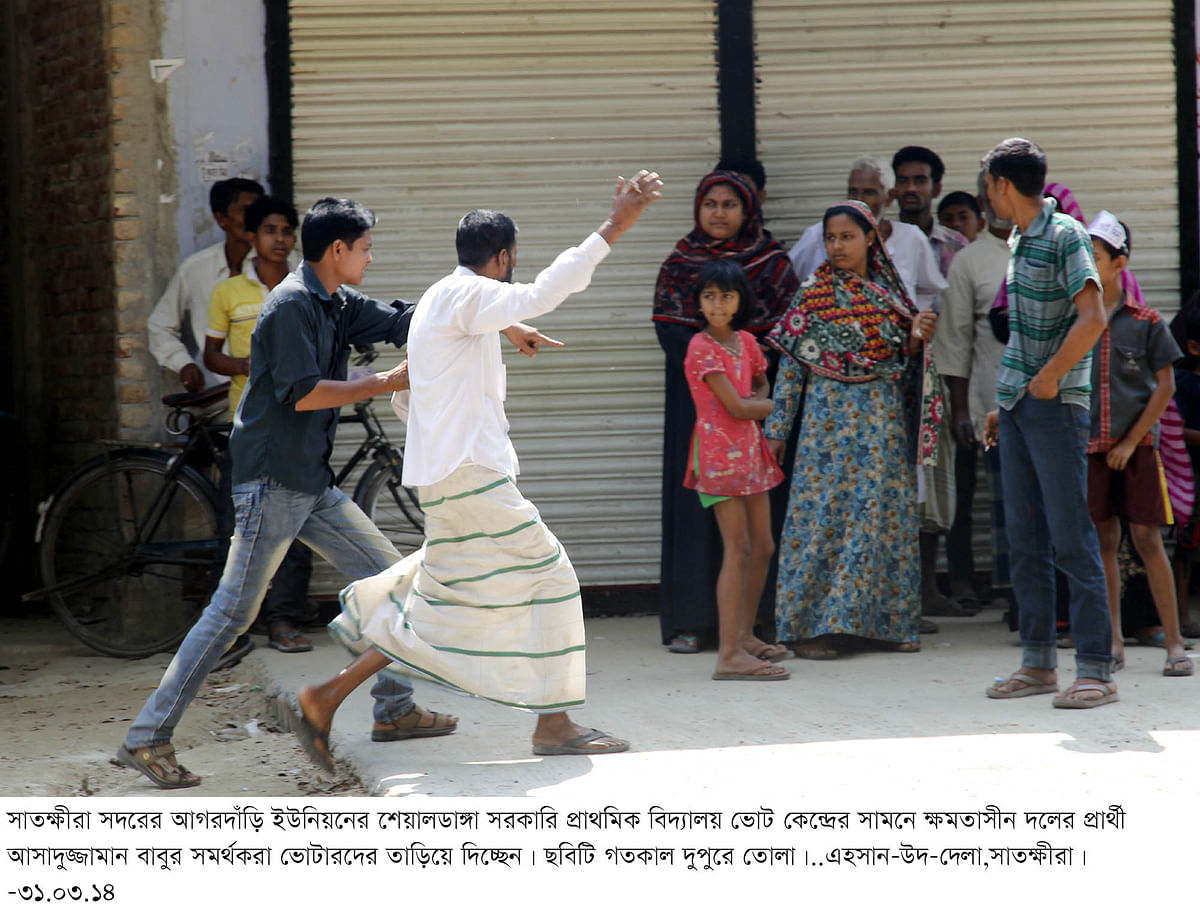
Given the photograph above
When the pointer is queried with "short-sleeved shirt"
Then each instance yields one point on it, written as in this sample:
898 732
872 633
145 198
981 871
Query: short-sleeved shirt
232 315
963 344
303 336
1135 345
1051 263
733 458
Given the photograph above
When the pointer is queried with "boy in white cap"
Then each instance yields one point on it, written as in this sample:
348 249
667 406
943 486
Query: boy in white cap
1132 383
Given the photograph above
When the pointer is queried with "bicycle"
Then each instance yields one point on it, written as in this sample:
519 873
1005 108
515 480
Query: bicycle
129 542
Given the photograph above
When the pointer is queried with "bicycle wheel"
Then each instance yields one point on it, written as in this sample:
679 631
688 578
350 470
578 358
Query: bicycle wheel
128 557
391 506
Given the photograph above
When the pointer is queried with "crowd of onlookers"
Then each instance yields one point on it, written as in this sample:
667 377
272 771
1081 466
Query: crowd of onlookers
890 357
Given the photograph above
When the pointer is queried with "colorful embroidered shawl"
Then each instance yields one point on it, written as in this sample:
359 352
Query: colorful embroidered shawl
855 329
764 261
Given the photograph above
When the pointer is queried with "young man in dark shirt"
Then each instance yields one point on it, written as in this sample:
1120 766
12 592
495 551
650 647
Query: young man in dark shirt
283 435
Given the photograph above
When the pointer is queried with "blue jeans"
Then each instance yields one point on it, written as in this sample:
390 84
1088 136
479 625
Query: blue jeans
1043 463
268 518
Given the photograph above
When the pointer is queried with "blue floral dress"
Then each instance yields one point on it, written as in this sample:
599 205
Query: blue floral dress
849 561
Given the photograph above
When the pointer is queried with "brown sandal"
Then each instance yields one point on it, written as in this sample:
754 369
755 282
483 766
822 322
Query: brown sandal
159 765
408 726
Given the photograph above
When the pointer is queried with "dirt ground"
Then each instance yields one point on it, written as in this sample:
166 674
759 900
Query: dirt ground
64 710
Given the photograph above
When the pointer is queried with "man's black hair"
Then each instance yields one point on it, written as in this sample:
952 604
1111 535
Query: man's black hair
960 198
265 205
482 234
332 219
914 154
752 168
225 192
726 275
1019 161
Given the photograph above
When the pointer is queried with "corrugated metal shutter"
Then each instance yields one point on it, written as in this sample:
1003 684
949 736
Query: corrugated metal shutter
1093 84
531 108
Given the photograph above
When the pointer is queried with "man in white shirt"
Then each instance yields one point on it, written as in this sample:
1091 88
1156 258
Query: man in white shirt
969 359
177 325
490 605
870 182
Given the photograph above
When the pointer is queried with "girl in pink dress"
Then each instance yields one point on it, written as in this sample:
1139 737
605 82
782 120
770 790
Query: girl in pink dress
731 466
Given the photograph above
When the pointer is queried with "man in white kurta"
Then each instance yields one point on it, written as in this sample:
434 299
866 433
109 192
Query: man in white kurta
490 605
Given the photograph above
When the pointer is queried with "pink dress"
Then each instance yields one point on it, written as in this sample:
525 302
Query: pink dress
733 457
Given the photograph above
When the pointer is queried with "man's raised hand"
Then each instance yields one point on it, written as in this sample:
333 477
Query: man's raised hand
630 199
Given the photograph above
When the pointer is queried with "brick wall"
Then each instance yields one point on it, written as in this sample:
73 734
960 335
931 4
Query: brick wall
69 223
141 161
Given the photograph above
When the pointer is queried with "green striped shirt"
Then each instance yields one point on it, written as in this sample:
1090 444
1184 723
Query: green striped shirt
1051 263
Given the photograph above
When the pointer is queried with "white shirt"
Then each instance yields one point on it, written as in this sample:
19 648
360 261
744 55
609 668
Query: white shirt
910 251
182 312
179 321
966 346
455 370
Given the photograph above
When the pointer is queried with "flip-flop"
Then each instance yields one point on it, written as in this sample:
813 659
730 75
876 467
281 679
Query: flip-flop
1031 685
773 657
751 676
816 651
1178 666
1108 696
577 746
684 643
309 736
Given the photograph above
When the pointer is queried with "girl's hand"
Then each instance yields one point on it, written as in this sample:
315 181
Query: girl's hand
778 449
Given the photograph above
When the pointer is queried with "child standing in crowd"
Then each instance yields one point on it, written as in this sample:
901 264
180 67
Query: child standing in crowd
731 466
960 212
1132 382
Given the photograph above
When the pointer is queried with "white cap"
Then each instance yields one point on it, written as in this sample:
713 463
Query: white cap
1109 229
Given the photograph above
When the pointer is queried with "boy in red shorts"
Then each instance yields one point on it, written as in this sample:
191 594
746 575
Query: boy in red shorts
1132 382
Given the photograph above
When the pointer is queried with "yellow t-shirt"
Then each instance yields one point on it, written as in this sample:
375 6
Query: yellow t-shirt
232 315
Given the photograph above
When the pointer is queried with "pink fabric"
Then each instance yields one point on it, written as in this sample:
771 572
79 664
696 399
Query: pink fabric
1177 465
734 459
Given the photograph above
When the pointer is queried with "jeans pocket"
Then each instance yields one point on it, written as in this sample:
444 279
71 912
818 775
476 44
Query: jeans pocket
247 509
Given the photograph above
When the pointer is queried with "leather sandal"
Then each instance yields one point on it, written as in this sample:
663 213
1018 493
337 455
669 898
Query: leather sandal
406 727
158 763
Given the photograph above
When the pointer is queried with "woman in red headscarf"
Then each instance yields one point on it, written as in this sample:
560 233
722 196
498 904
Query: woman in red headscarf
728 225
855 348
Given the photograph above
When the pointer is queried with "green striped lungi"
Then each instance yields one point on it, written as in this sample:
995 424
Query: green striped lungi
488 606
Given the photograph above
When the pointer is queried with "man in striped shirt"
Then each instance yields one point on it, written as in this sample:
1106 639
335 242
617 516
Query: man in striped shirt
1044 391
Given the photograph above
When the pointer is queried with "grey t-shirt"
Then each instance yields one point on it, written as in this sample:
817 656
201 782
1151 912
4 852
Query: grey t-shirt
1135 345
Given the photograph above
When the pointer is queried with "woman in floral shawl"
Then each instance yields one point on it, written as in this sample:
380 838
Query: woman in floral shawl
728 225
853 346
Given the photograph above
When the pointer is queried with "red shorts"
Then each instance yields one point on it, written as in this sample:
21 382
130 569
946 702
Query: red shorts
1138 494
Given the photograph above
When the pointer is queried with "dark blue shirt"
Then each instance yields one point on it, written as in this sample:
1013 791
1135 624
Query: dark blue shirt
303 336
1187 401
